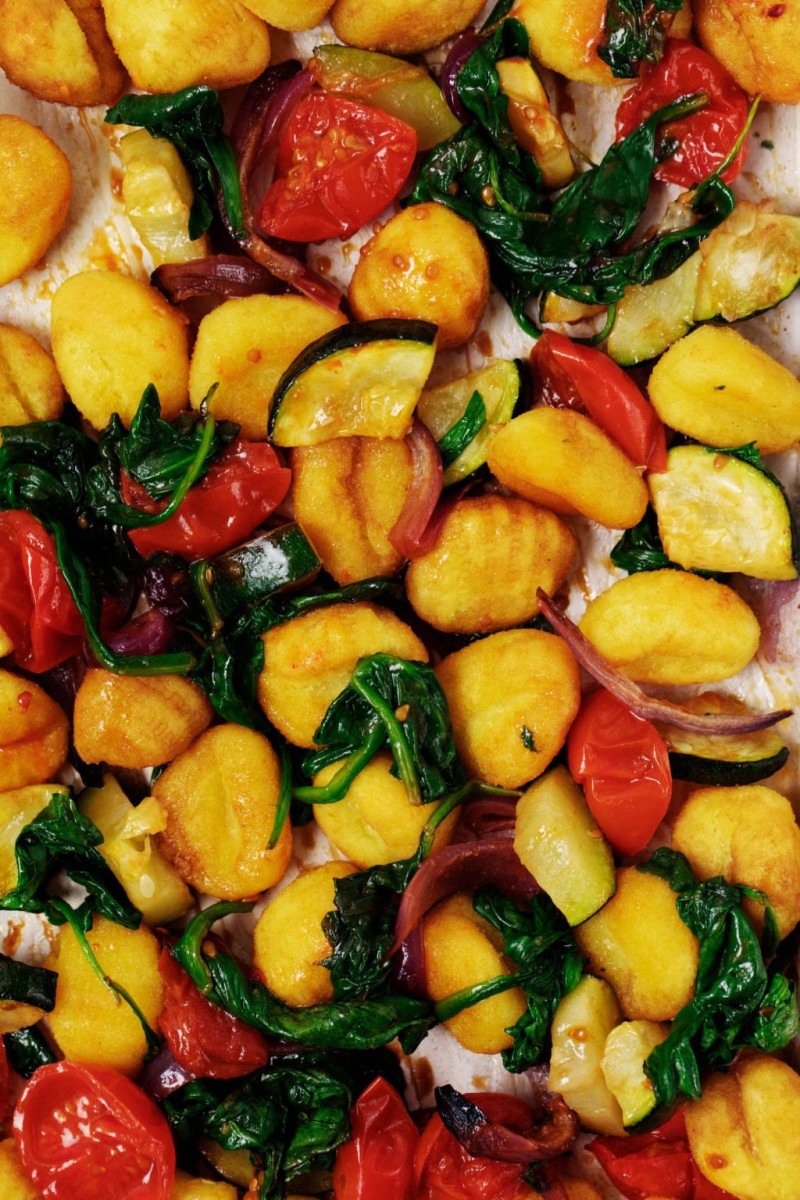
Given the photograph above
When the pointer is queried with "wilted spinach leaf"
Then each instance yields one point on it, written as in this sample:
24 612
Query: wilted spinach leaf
465 430
634 32
25 984
27 1050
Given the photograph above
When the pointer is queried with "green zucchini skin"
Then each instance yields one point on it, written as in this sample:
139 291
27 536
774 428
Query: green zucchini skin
241 577
725 772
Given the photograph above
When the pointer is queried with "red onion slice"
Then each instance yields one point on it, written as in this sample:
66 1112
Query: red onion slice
415 530
409 966
281 107
483 1138
637 700
164 1075
459 53
149 633
217 275
491 816
463 866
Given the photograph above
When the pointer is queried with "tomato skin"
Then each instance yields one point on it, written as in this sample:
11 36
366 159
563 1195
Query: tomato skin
707 136
88 1133
36 606
658 1163
202 1037
242 487
445 1171
575 376
340 163
622 763
378 1161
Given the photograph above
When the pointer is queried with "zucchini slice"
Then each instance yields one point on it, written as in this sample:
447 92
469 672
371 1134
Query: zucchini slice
721 760
267 564
499 386
747 264
628 1046
363 379
717 512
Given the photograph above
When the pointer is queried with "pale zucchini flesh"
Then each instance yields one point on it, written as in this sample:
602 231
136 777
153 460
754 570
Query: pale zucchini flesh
627 1048
579 1034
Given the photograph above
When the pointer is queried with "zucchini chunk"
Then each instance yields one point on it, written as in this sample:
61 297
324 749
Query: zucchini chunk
363 379
499 387
717 512
266 564
722 760
627 1048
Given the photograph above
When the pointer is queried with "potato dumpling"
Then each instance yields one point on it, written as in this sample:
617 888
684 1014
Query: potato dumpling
186 1187
228 780
749 835
401 26
561 459
512 698
37 185
672 627
15 1183
720 389
137 720
565 36
376 822
289 14
757 41
89 1022
744 1131
490 556
59 50
34 733
107 364
30 389
461 949
347 495
425 264
639 944
288 942
309 661
17 809
169 46
245 346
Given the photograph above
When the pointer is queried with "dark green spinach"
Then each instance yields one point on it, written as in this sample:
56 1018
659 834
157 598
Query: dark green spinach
25 984
27 1050
634 32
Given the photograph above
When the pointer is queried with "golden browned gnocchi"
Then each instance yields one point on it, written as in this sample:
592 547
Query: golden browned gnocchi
245 346
15 1183
229 779
289 14
426 264
289 944
758 41
560 458
137 720
639 944
186 1187
309 660
401 26
89 1022
489 557
112 336
168 46
512 699
672 627
37 185
461 949
347 495
34 733
749 835
17 809
565 36
30 387
376 822
744 1131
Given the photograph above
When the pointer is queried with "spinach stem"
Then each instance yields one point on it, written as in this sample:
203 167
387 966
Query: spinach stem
338 786
400 749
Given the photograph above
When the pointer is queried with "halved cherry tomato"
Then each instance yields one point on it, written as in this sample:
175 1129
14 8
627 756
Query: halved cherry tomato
655 1164
622 762
706 137
339 164
445 1171
378 1161
202 1037
88 1133
569 375
243 485
36 606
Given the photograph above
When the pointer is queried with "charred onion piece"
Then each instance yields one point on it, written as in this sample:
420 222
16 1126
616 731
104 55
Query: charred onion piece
217 275
638 701
414 531
482 1138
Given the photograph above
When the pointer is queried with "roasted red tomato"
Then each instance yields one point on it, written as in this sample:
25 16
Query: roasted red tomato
655 1164
445 1171
622 762
569 375
339 164
202 1037
243 485
378 1161
88 1133
36 606
704 139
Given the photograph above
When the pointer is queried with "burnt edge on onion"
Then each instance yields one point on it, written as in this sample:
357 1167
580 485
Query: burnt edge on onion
483 1138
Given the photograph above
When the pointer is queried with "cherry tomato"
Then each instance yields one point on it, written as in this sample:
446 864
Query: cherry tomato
569 375
4 1080
655 1164
623 764
339 164
202 1037
445 1171
706 137
242 487
378 1161
36 606
88 1133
